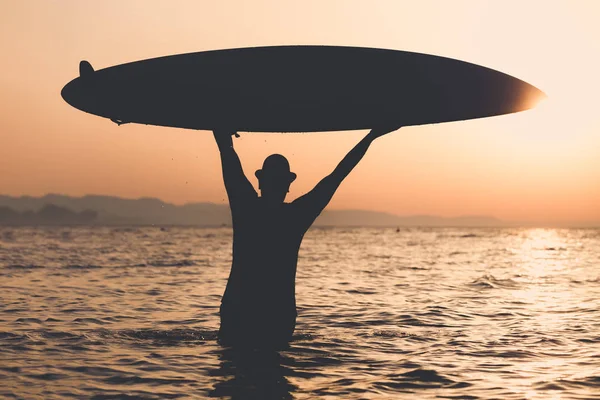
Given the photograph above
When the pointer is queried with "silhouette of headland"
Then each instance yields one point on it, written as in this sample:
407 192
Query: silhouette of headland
49 214
112 210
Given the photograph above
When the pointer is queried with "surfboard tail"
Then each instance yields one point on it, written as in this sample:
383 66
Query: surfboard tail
85 69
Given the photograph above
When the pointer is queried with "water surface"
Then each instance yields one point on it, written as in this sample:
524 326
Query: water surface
107 313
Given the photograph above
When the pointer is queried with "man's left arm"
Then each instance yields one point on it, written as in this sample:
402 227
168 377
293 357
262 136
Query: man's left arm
318 198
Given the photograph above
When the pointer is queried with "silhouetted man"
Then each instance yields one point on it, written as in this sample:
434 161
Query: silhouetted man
258 308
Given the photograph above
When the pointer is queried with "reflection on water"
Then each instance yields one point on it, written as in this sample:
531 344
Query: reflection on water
253 375
108 313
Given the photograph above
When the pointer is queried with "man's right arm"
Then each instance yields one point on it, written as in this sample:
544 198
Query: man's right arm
236 183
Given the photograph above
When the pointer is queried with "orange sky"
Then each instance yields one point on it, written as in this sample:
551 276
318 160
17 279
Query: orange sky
541 165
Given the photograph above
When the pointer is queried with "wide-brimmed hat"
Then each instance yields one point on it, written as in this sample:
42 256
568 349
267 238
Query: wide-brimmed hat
276 166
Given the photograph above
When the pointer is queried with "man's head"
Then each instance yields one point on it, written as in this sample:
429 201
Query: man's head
275 178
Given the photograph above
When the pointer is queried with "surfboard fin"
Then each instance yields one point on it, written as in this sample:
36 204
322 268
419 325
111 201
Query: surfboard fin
85 69
119 121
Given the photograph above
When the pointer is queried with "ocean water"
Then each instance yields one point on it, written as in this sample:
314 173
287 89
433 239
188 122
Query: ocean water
120 313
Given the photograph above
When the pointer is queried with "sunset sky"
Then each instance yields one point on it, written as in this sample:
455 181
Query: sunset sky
541 165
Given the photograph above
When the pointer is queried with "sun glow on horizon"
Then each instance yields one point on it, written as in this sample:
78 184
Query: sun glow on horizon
538 165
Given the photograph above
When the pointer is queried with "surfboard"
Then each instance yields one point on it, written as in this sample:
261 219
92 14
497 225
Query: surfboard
297 89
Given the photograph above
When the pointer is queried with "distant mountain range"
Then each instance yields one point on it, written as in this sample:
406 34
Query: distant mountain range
108 210
49 214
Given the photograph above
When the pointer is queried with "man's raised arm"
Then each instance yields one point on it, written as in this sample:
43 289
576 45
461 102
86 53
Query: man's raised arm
236 183
318 198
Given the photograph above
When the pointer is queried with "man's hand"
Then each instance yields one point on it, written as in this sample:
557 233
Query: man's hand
223 137
382 130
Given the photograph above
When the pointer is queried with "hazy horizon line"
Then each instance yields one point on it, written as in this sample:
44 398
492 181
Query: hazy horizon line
499 221
226 203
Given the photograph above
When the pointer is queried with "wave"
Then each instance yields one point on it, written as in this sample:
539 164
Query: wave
28 321
96 321
174 263
24 266
488 281
419 379
182 263
82 266
168 336
588 382
138 380
386 333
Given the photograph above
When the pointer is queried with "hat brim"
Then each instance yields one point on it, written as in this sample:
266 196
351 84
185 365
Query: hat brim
289 176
